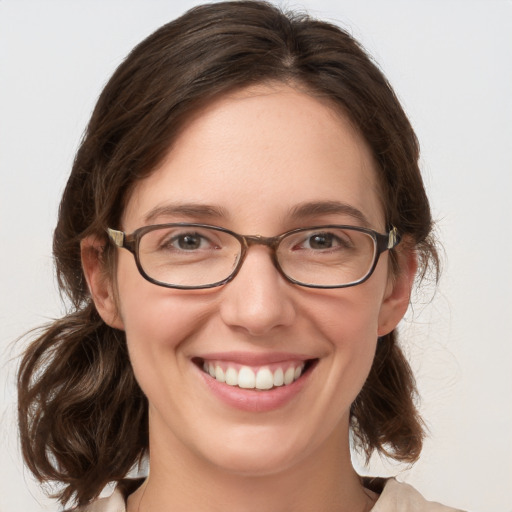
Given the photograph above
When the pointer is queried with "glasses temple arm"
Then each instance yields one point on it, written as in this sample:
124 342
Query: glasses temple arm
393 238
116 236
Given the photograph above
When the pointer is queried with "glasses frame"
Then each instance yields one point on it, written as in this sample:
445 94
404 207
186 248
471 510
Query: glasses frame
131 242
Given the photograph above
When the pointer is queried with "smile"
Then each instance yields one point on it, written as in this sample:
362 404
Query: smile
255 383
262 378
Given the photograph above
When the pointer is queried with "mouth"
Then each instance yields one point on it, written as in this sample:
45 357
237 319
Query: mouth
258 378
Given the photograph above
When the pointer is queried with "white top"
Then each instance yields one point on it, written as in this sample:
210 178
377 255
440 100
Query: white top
396 497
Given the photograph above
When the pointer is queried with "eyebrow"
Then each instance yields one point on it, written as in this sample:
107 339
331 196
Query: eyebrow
198 211
317 208
191 210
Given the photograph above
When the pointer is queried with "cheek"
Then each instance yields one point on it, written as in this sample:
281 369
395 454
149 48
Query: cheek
354 338
350 323
349 317
156 320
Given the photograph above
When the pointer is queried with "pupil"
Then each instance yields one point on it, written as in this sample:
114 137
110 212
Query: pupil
189 242
320 241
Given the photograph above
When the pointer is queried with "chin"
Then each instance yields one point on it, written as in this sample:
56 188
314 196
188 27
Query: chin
257 463
258 454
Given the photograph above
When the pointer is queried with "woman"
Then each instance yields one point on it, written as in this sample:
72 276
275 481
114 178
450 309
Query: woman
239 237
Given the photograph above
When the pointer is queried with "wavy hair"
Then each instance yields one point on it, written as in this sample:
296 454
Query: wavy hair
82 416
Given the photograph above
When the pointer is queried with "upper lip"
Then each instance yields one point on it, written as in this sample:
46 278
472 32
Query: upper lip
254 359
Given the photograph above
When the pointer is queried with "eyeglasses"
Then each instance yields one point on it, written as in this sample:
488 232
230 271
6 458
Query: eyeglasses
195 256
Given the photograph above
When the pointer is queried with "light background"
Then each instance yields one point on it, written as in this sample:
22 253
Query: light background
450 62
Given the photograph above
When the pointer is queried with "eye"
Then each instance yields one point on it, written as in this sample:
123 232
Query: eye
320 241
188 242
324 240
174 241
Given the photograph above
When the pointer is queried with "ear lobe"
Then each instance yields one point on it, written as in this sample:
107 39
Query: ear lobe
398 292
100 285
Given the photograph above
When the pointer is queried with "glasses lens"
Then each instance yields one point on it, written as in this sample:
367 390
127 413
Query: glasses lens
327 256
188 256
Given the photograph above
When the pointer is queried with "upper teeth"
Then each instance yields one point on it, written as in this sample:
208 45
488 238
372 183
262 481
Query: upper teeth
245 377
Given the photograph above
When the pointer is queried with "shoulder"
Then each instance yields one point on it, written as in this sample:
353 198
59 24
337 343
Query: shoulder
116 502
401 497
395 497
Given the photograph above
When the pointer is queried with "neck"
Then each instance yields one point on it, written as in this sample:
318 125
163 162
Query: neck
181 481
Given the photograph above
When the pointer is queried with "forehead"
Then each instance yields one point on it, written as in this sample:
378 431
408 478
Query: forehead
257 154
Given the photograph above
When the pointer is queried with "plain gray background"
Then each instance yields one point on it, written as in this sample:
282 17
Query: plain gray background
450 62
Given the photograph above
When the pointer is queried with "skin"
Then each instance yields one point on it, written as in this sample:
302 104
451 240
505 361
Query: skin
277 147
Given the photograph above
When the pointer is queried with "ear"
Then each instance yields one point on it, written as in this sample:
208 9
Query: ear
100 284
398 291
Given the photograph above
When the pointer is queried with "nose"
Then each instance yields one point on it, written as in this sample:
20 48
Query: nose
258 300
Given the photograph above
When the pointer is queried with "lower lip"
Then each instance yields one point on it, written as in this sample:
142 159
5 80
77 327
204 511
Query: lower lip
253 400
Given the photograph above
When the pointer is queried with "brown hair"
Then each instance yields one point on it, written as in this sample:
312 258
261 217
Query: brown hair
83 418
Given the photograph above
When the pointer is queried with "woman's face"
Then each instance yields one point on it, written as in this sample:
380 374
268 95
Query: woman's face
263 161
